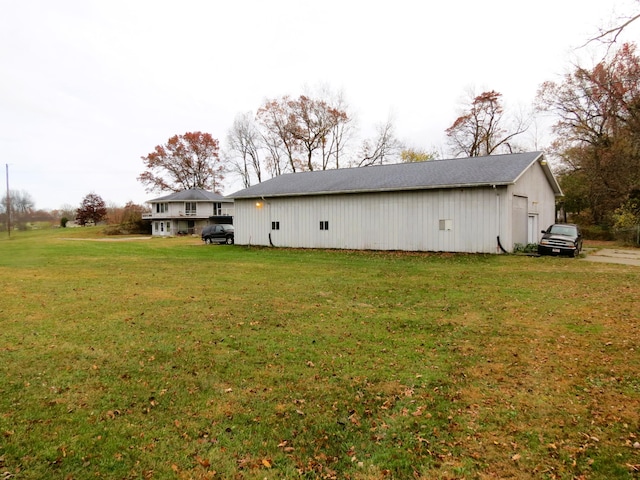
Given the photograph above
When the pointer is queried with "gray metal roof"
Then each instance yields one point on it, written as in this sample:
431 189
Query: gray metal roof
191 195
451 173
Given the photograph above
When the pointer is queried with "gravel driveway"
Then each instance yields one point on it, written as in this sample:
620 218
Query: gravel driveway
614 255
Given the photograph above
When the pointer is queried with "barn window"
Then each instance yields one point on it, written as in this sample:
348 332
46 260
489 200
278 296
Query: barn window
275 225
446 224
324 224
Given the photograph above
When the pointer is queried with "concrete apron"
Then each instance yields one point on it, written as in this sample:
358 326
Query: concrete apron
615 255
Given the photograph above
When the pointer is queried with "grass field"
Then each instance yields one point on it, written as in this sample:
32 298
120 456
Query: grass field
167 358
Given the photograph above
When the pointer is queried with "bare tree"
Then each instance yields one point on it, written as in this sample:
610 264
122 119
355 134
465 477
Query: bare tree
482 129
341 133
276 162
611 34
66 210
21 202
114 213
276 117
333 151
244 141
378 150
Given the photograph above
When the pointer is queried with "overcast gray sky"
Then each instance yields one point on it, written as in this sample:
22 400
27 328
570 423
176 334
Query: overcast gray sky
90 86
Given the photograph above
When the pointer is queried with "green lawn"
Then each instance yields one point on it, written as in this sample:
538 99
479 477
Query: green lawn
168 358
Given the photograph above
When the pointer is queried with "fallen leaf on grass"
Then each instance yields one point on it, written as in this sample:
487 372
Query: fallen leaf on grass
284 446
516 457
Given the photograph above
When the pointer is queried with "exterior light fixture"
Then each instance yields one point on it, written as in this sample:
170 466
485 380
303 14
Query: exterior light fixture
258 205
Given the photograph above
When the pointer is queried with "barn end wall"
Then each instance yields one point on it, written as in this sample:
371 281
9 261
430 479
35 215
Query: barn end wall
540 206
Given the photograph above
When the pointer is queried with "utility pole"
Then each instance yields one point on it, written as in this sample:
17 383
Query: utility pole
8 204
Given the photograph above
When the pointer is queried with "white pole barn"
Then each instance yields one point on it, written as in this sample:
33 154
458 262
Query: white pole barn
476 205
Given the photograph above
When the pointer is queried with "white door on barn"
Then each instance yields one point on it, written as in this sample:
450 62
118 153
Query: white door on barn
519 220
533 228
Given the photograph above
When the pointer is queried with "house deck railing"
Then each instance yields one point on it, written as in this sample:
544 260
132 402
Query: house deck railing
181 213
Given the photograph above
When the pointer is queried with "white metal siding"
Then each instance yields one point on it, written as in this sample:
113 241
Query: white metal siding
376 221
519 219
408 220
534 185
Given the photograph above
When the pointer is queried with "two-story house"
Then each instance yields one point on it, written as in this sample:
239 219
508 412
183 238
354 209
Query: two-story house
187 212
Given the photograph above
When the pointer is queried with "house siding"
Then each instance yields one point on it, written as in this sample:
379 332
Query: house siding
407 220
169 215
177 209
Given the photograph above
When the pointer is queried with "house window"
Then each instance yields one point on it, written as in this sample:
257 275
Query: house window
217 208
189 208
155 224
275 225
162 226
162 207
446 224
324 225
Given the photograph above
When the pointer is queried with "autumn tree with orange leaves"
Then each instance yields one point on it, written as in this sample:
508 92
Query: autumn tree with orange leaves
186 161
302 131
597 132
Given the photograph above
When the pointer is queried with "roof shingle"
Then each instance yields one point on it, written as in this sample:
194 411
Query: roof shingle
191 195
467 172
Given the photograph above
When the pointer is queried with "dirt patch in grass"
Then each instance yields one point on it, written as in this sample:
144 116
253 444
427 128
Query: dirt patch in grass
110 239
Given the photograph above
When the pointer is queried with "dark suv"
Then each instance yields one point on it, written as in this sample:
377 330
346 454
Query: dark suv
218 234
561 239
